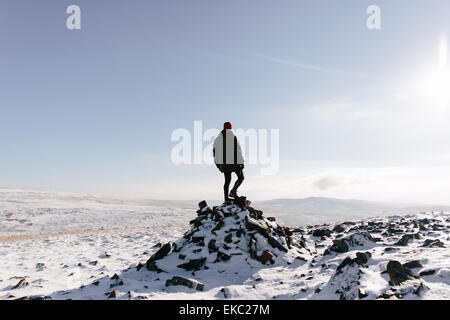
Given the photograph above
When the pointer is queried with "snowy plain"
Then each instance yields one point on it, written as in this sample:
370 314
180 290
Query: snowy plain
69 246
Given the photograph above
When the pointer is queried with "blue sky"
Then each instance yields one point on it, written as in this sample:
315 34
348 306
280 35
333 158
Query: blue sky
92 110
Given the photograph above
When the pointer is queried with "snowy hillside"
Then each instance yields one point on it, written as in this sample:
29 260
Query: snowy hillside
85 248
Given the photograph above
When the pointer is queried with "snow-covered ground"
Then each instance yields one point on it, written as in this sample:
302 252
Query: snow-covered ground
67 246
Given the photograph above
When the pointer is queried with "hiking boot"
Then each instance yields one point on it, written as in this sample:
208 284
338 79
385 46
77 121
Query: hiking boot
233 194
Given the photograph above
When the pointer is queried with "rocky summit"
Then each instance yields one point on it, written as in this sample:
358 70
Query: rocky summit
235 251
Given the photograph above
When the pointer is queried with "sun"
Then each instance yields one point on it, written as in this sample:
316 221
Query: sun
435 84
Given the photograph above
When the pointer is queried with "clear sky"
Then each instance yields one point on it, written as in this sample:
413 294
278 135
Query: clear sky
362 113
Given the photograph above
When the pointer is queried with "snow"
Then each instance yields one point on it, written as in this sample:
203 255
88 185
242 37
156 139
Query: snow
68 246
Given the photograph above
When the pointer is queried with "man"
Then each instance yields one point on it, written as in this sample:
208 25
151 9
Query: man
228 158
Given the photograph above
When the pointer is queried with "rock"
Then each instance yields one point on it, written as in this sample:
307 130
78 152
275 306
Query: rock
218 226
115 277
266 256
276 244
362 257
225 292
398 273
413 264
433 243
339 246
116 284
212 247
345 280
427 272
139 266
338 229
228 238
253 224
39 298
322 233
362 294
202 204
180 281
21 284
404 240
223 256
40 266
151 266
114 294
193 265
161 253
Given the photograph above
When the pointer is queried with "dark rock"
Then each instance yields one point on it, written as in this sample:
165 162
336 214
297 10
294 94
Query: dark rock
322 233
339 246
180 281
266 256
212 247
433 243
398 273
362 257
151 266
116 284
225 292
115 277
202 204
223 256
198 240
253 224
161 253
276 244
413 264
114 294
193 265
338 229
362 294
427 272
21 284
228 238
218 226
404 240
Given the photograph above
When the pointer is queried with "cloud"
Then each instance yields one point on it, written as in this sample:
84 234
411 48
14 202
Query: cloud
311 67
325 183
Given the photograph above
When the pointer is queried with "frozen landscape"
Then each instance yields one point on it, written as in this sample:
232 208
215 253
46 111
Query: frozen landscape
70 246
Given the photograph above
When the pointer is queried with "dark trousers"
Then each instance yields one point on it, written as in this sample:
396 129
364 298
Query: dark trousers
226 186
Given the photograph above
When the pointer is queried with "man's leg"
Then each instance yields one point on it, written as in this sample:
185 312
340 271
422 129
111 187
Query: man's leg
240 179
226 186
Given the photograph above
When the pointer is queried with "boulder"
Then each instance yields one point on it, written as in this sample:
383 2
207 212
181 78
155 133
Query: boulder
193 265
161 253
398 273
322 233
190 283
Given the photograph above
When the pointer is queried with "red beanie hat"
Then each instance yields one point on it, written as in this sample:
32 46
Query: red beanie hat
227 125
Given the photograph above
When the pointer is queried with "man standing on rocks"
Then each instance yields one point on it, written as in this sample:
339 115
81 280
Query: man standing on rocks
228 158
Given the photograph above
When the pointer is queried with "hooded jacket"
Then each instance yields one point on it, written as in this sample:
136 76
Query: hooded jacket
227 152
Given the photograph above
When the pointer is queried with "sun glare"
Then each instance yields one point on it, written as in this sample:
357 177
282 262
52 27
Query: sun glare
435 85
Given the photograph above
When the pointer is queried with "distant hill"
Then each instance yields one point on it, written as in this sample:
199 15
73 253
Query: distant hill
315 210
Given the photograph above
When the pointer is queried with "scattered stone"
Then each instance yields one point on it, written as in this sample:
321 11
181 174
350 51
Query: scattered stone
362 294
193 265
225 292
21 284
427 272
266 256
404 240
40 266
113 294
180 281
322 233
398 273
433 243
161 253
413 264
